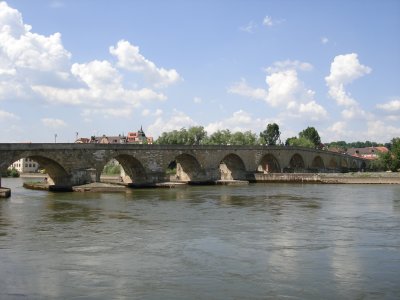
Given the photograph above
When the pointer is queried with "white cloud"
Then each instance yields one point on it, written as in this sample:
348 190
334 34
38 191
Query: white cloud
381 132
197 100
239 121
268 21
344 70
249 28
176 121
313 110
53 123
23 50
123 112
391 106
285 90
34 66
285 65
129 58
145 112
5 116
324 40
241 88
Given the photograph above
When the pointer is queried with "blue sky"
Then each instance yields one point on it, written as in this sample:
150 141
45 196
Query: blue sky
108 67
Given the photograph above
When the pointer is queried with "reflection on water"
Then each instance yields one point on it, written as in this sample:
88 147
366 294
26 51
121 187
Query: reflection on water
264 241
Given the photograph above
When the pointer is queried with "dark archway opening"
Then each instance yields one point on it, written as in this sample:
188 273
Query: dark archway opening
185 168
317 164
269 164
232 168
296 164
125 169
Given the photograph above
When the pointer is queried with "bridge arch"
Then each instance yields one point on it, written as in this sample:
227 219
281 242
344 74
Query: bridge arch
333 165
344 165
188 168
296 163
232 167
354 166
133 170
269 164
57 174
318 163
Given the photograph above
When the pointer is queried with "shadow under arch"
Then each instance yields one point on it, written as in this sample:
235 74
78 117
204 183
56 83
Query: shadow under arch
354 166
269 164
133 170
232 167
58 176
344 166
333 165
296 163
188 168
318 163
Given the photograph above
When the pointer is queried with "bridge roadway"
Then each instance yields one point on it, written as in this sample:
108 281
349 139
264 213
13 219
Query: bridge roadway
75 164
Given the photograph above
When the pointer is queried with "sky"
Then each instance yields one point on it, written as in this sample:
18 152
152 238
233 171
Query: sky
93 67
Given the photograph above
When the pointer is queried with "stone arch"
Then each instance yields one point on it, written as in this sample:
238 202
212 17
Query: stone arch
57 175
318 163
269 164
296 163
344 165
133 170
232 167
333 165
188 168
354 166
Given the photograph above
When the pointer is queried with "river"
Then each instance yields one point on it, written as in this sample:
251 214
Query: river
261 241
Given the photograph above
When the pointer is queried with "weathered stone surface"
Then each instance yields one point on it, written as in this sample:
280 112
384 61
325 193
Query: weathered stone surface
77 164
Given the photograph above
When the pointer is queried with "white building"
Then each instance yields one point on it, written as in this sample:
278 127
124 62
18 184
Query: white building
25 165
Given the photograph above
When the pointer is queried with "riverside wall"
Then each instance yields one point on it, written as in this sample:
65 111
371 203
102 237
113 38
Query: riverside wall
332 178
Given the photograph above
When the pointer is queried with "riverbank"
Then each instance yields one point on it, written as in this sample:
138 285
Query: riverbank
113 186
332 178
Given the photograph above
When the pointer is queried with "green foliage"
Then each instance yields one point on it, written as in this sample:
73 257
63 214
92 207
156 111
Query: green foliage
198 136
112 169
193 136
311 134
299 142
220 137
12 173
343 145
389 161
270 135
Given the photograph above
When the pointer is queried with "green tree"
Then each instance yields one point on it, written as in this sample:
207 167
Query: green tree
196 135
220 137
299 142
395 152
311 134
270 135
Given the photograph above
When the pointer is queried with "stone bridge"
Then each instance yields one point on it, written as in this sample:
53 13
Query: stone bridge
75 164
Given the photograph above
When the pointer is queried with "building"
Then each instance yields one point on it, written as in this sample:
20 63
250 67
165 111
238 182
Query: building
367 152
139 137
25 165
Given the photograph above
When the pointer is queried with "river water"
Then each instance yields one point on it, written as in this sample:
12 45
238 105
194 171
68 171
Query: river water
261 241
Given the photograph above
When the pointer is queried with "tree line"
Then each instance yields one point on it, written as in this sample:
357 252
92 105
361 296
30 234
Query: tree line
197 135
271 136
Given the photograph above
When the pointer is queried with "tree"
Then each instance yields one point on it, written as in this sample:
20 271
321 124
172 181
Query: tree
270 135
220 137
299 142
311 134
196 135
